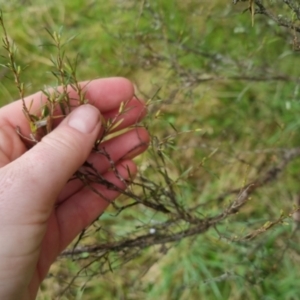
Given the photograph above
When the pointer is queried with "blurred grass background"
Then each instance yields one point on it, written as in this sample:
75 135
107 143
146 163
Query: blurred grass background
204 66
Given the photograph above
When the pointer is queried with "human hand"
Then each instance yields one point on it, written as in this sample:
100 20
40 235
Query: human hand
40 211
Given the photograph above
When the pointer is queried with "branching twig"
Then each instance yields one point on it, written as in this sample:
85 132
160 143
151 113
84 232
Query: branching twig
196 226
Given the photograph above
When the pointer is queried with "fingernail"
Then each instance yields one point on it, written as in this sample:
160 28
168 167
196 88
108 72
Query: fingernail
84 118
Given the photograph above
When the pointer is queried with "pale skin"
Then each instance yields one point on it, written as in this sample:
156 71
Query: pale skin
40 211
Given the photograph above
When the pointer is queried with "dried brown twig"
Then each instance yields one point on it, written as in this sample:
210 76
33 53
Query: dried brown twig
193 224
279 19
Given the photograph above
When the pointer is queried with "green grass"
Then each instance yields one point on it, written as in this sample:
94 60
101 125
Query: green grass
169 49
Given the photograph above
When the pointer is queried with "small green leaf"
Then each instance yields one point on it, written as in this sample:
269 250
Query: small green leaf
121 108
84 255
45 111
115 125
33 127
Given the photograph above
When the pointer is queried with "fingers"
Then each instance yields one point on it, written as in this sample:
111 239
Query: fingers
105 94
81 209
125 146
11 116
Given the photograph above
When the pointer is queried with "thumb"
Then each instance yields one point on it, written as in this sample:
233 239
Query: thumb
35 179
